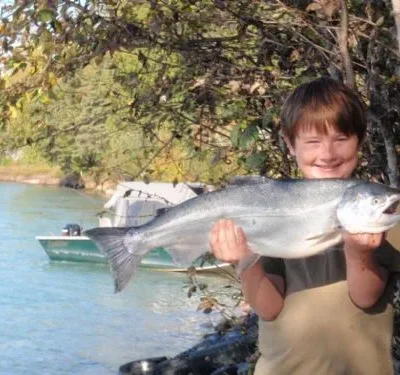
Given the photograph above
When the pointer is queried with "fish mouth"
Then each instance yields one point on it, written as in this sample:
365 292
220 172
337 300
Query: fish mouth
388 217
391 206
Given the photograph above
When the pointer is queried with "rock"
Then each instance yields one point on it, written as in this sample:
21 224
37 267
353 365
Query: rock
239 369
73 181
216 352
226 370
142 366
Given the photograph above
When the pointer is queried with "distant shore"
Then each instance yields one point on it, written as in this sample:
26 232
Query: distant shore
41 179
50 177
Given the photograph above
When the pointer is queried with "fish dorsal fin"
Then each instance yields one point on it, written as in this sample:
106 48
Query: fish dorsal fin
249 180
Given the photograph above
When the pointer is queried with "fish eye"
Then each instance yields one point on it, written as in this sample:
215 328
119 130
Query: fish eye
375 201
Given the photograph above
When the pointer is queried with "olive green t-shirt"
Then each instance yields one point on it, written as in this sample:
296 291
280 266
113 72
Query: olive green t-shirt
320 330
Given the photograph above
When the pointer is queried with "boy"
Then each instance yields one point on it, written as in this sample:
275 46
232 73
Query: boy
326 314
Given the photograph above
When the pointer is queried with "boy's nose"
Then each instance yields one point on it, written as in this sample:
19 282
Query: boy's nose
327 151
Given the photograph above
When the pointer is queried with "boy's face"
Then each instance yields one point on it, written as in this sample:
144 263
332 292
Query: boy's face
331 155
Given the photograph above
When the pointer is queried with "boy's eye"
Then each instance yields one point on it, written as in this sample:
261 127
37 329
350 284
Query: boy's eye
312 141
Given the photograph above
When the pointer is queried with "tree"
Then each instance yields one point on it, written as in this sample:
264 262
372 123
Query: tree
212 75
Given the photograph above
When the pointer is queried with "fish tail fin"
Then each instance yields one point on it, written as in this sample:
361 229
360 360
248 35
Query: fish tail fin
123 260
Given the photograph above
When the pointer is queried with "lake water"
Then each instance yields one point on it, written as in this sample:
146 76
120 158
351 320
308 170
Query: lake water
63 318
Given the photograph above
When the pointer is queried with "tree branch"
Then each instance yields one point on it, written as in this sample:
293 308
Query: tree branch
343 34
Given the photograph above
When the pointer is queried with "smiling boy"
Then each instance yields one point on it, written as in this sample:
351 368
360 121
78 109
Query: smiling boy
326 314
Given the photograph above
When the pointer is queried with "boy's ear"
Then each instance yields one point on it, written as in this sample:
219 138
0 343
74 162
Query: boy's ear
289 145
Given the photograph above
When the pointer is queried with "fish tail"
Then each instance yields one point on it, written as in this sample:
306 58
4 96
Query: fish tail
123 260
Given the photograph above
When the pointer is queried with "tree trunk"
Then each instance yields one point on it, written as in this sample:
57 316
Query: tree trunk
396 15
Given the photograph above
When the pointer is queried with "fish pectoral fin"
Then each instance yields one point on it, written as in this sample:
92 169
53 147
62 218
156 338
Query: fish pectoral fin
325 240
322 237
181 254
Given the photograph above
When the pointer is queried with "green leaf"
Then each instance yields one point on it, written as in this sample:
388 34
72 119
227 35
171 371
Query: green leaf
243 136
45 15
249 134
266 119
256 160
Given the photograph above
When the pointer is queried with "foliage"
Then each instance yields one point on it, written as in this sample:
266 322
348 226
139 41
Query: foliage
169 89
227 299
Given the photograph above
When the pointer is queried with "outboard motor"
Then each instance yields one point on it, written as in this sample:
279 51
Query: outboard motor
72 230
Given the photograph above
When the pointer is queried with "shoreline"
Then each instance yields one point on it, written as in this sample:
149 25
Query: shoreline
52 178
34 179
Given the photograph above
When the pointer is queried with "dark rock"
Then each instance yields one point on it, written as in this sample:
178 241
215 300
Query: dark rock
226 370
145 366
239 369
73 181
214 352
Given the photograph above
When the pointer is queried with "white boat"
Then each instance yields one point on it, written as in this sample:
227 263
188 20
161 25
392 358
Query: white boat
132 204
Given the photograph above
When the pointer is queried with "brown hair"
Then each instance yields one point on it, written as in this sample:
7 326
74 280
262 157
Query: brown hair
320 104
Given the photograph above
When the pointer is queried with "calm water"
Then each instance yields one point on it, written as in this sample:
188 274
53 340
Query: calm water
63 318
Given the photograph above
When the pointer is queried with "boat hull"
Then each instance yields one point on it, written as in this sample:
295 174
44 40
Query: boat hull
83 249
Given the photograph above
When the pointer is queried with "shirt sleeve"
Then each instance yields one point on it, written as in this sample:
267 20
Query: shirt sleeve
388 256
275 266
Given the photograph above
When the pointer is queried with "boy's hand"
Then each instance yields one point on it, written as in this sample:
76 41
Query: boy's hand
356 244
365 277
228 242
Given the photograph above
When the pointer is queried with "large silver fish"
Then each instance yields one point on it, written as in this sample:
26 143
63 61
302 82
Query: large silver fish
285 219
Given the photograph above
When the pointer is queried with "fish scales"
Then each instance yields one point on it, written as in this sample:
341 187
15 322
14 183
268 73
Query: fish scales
251 207
244 204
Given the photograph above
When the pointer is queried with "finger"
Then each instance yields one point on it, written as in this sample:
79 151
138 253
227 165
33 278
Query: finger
218 239
227 242
214 238
368 240
377 239
230 236
223 235
216 226
241 239
238 247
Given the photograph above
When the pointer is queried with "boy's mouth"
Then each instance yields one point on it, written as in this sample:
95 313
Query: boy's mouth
328 167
